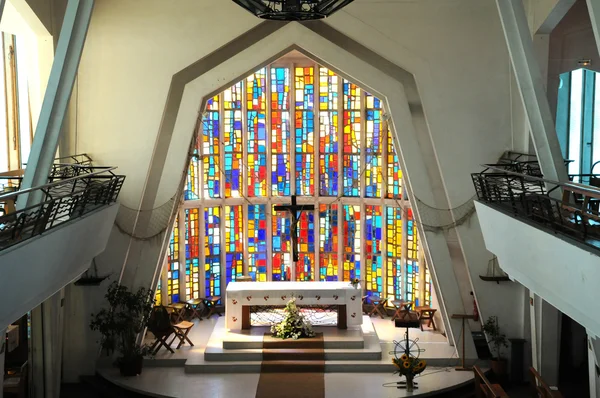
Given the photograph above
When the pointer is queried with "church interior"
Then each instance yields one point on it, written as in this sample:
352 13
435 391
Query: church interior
299 198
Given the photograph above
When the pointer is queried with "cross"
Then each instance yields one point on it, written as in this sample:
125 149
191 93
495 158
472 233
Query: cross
295 211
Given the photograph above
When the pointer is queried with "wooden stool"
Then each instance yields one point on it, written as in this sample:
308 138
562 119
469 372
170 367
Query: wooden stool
402 309
178 312
378 304
211 303
426 314
194 306
181 331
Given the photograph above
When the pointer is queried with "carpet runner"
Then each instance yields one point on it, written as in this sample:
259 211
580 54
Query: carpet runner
292 368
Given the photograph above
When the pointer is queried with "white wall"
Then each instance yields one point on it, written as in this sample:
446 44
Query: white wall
37 268
564 274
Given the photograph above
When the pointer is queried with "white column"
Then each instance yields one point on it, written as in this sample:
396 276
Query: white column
531 87
592 363
2 331
56 100
594 10
545 339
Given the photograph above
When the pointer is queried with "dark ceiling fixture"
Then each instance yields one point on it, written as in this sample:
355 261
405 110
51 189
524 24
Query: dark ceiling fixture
292 10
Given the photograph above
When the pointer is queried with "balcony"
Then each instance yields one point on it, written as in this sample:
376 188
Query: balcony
46 246
546 235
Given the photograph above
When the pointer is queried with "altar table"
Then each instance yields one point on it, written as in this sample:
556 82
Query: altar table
242 295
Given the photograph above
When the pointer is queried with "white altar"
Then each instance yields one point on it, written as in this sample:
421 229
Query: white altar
241 295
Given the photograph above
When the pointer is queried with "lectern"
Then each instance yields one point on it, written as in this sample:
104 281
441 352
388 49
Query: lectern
462 358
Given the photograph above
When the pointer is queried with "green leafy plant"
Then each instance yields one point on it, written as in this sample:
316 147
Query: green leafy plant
495 338
124 319
294 325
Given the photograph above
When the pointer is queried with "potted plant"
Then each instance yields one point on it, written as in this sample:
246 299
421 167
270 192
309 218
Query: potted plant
355 282
121 324
409 366
497 340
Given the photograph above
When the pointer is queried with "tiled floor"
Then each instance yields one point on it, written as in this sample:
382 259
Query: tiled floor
175 382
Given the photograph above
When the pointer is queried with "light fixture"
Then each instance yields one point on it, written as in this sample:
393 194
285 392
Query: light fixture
292 10
584 62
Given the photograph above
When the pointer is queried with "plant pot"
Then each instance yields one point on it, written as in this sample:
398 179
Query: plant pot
410 383
131 366
499 367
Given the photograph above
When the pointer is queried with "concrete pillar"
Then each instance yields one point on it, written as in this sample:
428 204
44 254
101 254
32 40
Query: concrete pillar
46 347
545 339
60 85
594 10
2 343
531 87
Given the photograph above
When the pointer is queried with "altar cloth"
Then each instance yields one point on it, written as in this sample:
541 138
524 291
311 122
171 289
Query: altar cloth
246 294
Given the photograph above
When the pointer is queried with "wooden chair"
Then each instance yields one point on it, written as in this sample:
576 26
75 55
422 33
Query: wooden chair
485 389
16 384
210 303
178 312
403 309
194 307
378 305
181 332
426 314
161 327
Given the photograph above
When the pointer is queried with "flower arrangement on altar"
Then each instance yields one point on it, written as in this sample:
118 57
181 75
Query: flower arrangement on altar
354 282
293 325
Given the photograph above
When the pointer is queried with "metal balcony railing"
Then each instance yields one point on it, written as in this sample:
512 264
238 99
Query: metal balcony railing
63 199
567 208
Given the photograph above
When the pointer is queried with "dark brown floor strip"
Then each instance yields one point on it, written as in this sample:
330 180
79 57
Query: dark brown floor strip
292 368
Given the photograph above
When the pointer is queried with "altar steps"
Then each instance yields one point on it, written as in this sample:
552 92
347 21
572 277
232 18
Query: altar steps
292 366
302 354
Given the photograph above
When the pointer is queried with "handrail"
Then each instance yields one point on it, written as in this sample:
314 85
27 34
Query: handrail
540 387
483 386
54 184
582 187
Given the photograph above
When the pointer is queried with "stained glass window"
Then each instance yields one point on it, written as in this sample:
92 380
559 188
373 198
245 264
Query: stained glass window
352 242
328 243
328 135
374 147
352 139
374 259
282 257
280 132
158 295
265 138
394 252
232 140
257 134
234 243
173 265
211 149
257 242
212 251
305 131
306 250
192 253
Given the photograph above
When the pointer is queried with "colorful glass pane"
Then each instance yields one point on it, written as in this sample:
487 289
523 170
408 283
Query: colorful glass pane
192 182
192 253
210 151
427 287
158 294
351 150
328 243
328 149
173 265
255 90
280 153
257 154
232 97
394 253
373 255
212 251
257 242
412 250
394 174
234 244
373 148
306 246
352 242
305 130
233 140
280 88
328 89
282 258
352 95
